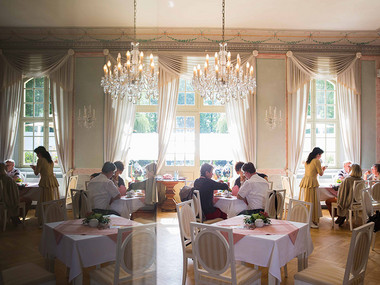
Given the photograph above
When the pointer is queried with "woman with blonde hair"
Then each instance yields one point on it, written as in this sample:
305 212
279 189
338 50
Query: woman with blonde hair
345 192
309 183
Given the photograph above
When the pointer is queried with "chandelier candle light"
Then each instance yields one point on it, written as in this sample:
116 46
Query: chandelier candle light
224 81
88 118
130 79
272 119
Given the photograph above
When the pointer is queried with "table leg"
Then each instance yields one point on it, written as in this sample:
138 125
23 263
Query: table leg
169 204
272 280
49 263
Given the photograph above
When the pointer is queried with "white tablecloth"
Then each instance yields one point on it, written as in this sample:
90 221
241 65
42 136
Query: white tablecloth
272 251
32 191
231 206
77 251
325 192
126 206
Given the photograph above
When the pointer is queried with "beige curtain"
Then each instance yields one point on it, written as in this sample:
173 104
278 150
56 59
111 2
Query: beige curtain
62 96
301 67
119 119
60 67
241 120
349 107
10 106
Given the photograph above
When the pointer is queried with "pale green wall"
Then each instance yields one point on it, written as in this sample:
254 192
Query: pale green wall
88 148
270 91
368 107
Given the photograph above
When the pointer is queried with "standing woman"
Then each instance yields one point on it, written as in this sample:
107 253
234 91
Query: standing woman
48 182
310 183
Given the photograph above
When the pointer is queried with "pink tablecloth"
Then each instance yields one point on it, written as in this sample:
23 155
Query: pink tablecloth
271 250
76 227
277 227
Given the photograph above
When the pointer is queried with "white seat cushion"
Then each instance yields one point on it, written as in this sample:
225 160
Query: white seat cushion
321 274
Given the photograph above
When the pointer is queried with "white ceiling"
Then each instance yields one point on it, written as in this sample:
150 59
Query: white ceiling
347 15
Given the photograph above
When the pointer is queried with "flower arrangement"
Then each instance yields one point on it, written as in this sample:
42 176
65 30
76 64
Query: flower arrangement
250 220
102 219
338 181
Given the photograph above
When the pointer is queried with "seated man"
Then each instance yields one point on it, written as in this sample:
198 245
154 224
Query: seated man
345 172
103 191
10 195
12 171
253 191
206 187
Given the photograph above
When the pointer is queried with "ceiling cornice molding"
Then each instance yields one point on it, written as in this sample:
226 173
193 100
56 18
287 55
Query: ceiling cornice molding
194 40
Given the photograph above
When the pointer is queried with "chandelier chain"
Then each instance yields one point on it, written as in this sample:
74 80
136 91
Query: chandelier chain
134 22
223 17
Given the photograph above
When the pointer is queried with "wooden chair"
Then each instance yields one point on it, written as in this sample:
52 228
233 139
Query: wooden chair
73 182
355 205
285 181
301 212
54 211
375 194
329 273
80 203
214 258
4 211
198 209
28 273
368 211
186 215
270 185
135 258
274 203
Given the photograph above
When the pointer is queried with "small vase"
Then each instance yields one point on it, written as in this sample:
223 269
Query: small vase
93 223
259 223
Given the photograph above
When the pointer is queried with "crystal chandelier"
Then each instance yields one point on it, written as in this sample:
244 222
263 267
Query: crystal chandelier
131 79
272 118
224 81
87 119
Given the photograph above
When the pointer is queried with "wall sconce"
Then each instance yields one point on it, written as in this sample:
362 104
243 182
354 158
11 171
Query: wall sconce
272 118
88 118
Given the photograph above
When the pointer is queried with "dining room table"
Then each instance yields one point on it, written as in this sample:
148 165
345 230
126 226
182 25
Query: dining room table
29 190
271 246
128 204
229 204
79 246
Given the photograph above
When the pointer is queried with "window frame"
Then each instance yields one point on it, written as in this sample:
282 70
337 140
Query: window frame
187 110
46 119
313 121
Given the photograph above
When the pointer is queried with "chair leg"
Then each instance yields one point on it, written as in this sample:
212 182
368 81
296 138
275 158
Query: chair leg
350 219
5 219
184 270
373 240
333 216
286 270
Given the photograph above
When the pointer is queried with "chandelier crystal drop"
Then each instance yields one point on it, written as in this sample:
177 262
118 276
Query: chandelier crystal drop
131 78
223 81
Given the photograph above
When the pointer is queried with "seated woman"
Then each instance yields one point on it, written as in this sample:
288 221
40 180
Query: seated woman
346 190
374 174
116 178
240 180
149 185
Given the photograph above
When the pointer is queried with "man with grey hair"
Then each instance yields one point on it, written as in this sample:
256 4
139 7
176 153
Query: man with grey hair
12 171
345 172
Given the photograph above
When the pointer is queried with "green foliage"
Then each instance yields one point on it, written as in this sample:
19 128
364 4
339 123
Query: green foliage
145 123
213 123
